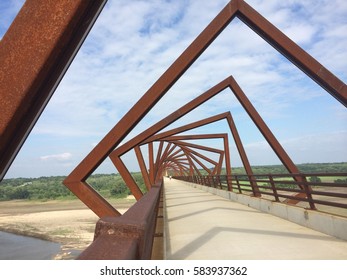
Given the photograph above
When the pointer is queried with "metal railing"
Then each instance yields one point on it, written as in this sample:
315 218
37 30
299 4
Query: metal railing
129 236
316 191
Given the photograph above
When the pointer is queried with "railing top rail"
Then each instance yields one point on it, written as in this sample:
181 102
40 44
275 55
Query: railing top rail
294 174
129 236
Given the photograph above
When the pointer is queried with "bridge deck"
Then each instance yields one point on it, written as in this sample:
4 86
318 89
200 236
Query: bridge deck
200 225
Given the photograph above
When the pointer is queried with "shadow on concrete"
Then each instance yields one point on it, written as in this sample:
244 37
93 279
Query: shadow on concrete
212 209
187 250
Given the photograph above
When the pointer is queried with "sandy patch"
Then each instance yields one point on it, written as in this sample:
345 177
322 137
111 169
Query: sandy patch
69 223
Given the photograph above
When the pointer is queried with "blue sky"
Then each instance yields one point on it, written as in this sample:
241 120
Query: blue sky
134 42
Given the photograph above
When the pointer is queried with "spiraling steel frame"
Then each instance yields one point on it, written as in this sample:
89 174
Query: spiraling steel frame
59 28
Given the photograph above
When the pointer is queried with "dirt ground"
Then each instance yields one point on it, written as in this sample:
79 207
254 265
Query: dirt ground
69 223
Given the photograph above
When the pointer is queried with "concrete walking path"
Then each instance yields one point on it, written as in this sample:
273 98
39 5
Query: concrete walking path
203 226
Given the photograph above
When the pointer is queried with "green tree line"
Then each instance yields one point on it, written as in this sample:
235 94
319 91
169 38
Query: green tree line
112 185
47 188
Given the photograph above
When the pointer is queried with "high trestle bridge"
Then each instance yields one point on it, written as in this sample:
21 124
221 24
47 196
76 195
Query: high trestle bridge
189 210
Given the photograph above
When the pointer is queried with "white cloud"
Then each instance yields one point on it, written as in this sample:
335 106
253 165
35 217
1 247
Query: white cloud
58 157
134 42
327 147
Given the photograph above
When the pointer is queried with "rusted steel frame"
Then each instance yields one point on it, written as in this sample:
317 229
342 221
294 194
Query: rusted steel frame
127 177
178 161
190 162
176 155
164 155
220 152
184 164
201 123
35 53
129 236
275 189
193 157
181 159
193 167
104 148
93 199
187 144
182 111
171 165
238 183
191 170
182 144
304 199
171 149
194 137
263 128
200 147
192 152
214 181
156 164
292 51
168 165
172 152
207 121
308 191
188 126
209 181
220 163
180 171
153 95
191 126
144 137
221 180
203 136
163 165
143 167
242 154
273 186
227 158
151 162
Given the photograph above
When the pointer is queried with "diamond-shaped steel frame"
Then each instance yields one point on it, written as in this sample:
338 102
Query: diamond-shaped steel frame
109 145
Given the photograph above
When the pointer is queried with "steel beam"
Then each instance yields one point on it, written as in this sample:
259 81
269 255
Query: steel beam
143 167
292 52
35 53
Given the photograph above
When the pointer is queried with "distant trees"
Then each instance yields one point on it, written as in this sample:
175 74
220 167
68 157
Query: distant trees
340 181
304 168
112 185
47 188
315 179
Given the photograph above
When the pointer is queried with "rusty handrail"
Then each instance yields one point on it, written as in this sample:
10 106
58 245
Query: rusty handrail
129 236
278 187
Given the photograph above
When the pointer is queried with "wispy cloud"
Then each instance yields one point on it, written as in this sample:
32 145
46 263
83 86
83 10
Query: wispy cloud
58 157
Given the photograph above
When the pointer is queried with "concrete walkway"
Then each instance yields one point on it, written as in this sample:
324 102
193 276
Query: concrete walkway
203 226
